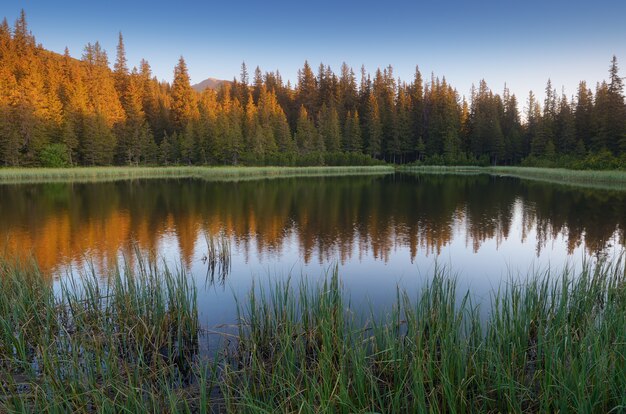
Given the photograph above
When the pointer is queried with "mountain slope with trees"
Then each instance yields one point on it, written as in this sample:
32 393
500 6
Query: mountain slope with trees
59 111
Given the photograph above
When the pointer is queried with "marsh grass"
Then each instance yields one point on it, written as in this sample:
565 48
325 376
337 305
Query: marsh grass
218 258
95 174
552 343
610 180
128 342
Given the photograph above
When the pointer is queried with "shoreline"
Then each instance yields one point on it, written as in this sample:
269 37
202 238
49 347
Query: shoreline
103 174
600 179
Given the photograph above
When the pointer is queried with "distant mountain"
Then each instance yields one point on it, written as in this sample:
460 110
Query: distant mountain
210 83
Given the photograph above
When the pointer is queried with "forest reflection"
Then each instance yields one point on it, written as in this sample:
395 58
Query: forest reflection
331 218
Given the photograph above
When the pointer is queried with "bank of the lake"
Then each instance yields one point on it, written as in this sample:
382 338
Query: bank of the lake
592 178
614 179
551 343
99 174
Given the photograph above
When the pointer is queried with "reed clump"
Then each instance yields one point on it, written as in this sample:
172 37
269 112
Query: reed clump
125 343
218 257
129 342
551 343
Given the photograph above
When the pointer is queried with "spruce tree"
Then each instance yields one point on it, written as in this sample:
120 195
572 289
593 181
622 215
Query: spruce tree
329 128
184 108
615 123
584 117
121 68
306 134
374 128
353 141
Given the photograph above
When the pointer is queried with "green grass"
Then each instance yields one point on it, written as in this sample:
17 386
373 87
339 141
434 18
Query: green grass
128 344
93 174
596 179
586 178
550 343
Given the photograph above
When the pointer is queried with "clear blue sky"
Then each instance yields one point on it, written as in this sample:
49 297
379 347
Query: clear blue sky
522 43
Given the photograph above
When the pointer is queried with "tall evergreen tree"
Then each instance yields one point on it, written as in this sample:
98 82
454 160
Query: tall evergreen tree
374 128
329 128
306 134
583 117
121 68
353 141
615 121
184 108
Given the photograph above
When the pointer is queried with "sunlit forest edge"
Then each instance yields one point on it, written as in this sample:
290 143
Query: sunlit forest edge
58 111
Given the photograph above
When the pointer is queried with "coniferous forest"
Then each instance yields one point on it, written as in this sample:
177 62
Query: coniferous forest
56 110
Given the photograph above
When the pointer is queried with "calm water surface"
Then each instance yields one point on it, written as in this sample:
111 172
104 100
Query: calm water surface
382 231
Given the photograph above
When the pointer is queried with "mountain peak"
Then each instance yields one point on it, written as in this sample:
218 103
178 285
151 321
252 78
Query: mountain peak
209 83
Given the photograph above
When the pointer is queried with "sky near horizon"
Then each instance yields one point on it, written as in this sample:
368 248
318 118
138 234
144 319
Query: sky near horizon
522 43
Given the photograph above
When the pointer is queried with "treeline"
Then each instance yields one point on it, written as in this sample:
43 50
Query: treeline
57 111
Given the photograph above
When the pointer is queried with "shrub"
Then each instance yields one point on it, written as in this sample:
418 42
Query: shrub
54 156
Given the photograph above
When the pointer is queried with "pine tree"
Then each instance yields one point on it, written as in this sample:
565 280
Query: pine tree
306 91
329 128
244 80
353 141
187 143
545 136
402 127
347 91
417 111
100 84
99 142
615 122
282 134
69 138
601 109
306 134
23 39
258 83
583 116
374 127
184 108
234 138
512 128
565 126
120 70
533 120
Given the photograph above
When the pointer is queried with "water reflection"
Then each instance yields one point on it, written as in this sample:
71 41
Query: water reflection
338 218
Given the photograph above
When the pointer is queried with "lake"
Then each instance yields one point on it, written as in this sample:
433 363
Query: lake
382 231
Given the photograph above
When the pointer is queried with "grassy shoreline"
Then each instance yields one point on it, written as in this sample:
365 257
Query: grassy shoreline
98 174
552 342
585 178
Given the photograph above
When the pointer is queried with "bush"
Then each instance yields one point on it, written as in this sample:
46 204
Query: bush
54 156
601 160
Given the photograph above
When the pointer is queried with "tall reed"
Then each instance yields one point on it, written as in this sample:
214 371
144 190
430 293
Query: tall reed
551 343
128 341
125 342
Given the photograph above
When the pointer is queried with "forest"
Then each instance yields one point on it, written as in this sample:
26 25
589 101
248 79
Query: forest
58 111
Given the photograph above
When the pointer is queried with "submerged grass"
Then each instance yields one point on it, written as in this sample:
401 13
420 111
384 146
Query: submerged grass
126 344
551 343
218 258
93 174
612 180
